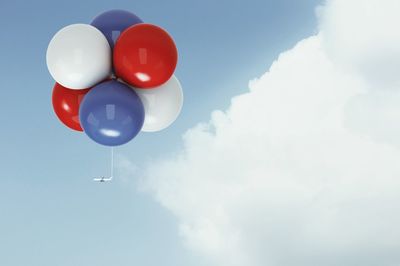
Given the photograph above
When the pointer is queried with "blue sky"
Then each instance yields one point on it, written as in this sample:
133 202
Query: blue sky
51 211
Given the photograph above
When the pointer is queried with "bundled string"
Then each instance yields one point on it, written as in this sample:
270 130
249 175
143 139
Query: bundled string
103 178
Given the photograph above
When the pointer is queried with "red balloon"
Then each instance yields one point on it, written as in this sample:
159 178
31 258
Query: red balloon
66 104
145 56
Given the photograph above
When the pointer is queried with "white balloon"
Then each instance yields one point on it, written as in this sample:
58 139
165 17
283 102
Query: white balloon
79 56
162 104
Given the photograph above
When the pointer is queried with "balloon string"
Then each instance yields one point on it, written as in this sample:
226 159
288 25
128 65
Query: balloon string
112 162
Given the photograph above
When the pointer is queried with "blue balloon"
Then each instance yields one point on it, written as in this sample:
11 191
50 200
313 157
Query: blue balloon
112 23
111 113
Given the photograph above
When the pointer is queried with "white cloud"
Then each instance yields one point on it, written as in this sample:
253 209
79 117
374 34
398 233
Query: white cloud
304 169
363 35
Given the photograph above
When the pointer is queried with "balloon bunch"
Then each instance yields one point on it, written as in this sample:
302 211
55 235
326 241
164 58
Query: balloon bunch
114 77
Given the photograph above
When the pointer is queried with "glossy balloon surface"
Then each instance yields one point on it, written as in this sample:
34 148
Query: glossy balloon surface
145 56
111 113
162 104
66 103
79 56
113 22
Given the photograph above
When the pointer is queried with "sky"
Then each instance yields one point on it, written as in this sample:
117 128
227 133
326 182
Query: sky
51 211
303 168
286 152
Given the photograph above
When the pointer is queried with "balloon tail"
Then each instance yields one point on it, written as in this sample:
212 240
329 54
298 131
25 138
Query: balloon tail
112 162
